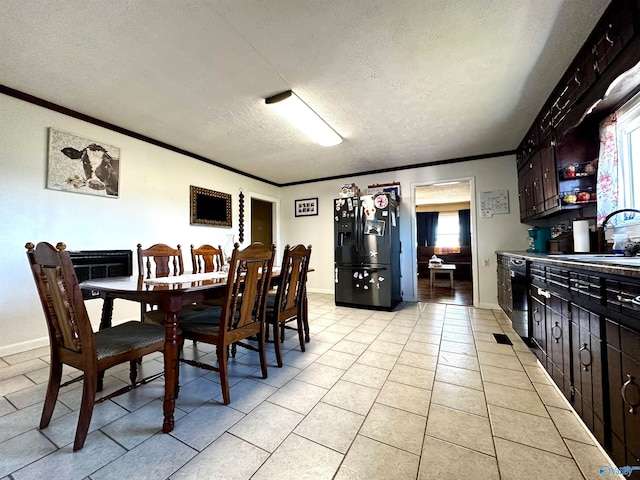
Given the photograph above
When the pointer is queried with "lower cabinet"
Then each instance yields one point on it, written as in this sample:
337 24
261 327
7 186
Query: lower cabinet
559 342
587 359
537 309
623 359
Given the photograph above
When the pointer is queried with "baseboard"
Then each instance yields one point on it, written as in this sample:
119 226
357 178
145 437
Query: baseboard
24 346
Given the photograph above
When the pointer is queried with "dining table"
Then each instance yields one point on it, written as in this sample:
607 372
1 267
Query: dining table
170 294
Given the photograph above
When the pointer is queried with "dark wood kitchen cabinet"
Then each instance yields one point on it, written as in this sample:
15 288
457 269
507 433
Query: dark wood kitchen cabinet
587 360
559 342
585 331
564 135
623 359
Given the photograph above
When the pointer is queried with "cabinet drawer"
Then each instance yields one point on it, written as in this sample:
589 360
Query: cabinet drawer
620 295
586 288
558 277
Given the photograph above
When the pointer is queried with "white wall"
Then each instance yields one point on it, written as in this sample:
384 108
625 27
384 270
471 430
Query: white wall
500 232
153 208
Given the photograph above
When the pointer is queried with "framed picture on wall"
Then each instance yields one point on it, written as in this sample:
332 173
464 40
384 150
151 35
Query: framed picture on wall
306 207
80 165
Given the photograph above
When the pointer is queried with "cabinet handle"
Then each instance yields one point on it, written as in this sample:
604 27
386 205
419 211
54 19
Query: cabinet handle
623 299
556 336
624 390
536 315
543 293
580 286
606 35
575 77
585 360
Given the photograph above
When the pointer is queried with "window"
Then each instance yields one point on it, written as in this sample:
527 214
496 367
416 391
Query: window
448 235
628 154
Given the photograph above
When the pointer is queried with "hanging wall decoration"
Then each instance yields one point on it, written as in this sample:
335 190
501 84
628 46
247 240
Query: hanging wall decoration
77 164
208 207
241 217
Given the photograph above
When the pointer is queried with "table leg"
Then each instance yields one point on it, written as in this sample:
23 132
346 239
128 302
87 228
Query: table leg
107 312
431 275
170 370
451 278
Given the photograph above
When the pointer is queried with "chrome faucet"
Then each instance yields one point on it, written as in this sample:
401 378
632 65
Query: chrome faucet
601 237
614 213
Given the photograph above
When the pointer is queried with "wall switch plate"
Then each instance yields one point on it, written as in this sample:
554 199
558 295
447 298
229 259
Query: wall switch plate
485 262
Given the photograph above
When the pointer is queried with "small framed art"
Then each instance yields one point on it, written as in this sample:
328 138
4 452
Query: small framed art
306 207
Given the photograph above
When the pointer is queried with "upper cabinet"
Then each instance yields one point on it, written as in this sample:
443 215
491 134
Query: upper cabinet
557 159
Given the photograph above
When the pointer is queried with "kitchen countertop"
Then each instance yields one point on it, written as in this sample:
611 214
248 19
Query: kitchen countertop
602 263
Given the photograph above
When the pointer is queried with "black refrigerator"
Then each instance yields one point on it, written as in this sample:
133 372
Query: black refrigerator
367 252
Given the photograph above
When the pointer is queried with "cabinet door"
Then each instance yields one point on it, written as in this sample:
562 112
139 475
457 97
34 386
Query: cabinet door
549 174
613 32
587 360
558 342
624 388
537 184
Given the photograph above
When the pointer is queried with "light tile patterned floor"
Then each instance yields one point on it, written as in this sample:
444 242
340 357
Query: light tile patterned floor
423 392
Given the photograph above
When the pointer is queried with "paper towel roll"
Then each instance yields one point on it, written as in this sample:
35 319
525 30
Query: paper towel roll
581 236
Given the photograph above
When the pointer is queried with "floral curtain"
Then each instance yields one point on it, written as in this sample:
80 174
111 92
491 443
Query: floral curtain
607 180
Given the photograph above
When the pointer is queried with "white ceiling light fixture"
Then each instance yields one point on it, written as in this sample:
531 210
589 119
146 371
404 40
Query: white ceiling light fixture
291 107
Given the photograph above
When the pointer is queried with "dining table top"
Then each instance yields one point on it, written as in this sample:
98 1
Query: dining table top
189 282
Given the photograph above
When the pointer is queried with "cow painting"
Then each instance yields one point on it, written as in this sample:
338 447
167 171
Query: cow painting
78 164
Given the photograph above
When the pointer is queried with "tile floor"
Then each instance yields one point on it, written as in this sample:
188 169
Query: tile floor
423 392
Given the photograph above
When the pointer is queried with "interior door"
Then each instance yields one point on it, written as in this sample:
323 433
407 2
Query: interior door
261 222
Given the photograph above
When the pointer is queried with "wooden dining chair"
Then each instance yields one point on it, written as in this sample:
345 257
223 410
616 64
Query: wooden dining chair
71 337
158 261
207 259
242 314
288 302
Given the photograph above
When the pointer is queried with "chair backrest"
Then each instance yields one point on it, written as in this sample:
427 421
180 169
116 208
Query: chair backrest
207 259
293 279
245 299
167 261
70 331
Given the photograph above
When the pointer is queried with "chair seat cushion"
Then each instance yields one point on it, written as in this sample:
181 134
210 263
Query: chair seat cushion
127 336
205 322
188 312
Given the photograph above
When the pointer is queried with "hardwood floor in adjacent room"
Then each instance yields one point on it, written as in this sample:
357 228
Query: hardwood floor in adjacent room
462 293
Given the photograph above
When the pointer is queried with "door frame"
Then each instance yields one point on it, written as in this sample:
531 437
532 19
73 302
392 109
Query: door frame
275 219
474 229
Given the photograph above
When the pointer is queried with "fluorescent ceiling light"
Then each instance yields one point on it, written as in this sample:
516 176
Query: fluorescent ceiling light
291 107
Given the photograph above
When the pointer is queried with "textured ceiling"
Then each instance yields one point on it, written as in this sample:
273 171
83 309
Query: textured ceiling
404 82
440 194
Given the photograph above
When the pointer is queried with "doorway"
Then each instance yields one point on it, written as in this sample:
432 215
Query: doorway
443 229
261 222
